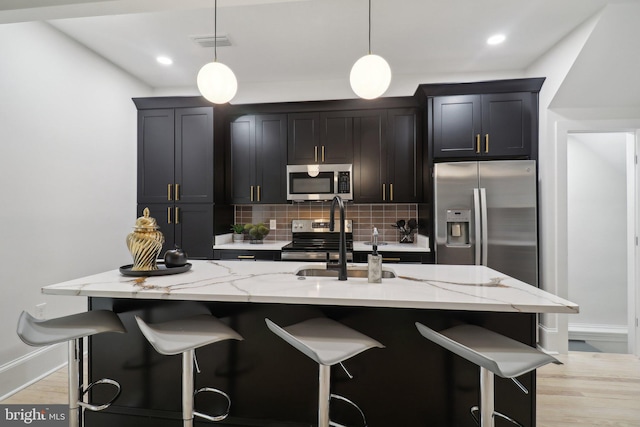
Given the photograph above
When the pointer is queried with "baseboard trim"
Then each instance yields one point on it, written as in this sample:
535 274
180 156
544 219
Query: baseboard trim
549 340
30 368
608 333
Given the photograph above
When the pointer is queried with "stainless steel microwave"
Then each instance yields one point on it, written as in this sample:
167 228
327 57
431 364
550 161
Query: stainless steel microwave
319 182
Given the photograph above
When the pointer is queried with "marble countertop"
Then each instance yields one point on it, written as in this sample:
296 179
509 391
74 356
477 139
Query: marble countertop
423 286
421 244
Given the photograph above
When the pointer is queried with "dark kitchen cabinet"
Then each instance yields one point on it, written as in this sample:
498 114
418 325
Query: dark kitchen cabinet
303 138
181 171
320 138
175 155
484 125
387 156
188 225
369 166
393 257
258 158
247 255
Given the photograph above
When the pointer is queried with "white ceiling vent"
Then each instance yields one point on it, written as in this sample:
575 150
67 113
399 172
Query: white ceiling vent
211 41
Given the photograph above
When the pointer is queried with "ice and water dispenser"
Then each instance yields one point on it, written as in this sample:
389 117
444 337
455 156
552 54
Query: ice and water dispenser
458 221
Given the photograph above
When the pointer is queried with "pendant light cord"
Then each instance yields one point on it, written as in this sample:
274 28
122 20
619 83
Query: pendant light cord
369 27
215 31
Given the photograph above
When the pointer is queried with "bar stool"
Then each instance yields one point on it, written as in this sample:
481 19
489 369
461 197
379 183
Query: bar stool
38 333
494 354
185 336
328 343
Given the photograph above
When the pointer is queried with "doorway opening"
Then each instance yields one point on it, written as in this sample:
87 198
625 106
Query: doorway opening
601 230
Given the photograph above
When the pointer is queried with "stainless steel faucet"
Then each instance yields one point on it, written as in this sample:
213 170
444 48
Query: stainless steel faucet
342 248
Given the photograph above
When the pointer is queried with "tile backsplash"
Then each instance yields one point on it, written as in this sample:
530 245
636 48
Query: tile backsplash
364 217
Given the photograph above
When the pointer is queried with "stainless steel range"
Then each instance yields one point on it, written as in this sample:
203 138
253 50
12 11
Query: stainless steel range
312 241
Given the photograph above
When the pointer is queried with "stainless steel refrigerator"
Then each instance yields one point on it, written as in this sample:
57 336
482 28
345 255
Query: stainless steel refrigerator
485 214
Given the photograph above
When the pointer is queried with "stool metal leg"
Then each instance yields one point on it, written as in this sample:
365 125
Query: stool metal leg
74 382
324 393
486 398
187 388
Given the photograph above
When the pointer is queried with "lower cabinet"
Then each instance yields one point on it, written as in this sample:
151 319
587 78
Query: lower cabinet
398 257
188 225
246 255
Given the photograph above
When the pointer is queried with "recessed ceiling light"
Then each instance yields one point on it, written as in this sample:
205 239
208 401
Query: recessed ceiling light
164 60
496 39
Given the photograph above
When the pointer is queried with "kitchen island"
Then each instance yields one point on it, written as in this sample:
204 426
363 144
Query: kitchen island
409 383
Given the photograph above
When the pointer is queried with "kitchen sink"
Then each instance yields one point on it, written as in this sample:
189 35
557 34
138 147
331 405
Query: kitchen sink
351 272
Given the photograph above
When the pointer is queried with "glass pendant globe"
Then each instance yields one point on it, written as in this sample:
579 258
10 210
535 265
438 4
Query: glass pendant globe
370 76
217 83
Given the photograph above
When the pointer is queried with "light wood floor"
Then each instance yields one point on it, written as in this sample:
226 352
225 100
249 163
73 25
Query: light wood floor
589 390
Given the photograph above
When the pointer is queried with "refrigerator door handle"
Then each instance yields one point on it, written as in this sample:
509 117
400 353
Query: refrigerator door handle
476 225
485 231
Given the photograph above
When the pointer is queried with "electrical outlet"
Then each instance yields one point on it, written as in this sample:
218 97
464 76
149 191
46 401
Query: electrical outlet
272 224
40 310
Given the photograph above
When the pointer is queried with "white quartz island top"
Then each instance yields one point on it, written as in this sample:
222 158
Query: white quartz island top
422 286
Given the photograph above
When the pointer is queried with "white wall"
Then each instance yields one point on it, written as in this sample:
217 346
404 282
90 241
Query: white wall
597 234
554 65
555 124
68 173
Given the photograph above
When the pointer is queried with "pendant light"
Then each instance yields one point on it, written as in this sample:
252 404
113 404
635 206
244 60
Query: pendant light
216 81
370 75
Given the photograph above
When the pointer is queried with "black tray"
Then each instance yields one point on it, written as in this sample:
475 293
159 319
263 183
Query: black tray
162 270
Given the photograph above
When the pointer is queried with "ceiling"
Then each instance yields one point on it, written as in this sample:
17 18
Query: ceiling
309 40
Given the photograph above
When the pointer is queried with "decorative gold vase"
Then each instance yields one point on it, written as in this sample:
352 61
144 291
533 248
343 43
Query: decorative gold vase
145 243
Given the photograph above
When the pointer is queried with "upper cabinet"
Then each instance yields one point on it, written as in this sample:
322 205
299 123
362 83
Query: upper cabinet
485 120
320 138
175 155
482 125
387 156
258 158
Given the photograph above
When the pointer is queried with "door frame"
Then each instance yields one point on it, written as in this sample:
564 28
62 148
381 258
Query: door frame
563 129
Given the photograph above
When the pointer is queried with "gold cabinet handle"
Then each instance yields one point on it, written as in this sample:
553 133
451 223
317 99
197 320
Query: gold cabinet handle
390 259
323 154
486 143
169 215
391 192
258 193
315 153
246 257
384 192
169 191
177 193
177 215
478 144
251 194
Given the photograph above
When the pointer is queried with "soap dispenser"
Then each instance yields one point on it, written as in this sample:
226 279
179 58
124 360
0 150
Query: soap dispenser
374 261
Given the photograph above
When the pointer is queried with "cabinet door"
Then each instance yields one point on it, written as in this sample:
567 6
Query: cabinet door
404 156
303 138
155 155
336 137
194 155
507 124
271 158
457 126
194 229
370 163
243 161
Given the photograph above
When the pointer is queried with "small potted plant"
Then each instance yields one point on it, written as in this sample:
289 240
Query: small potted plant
238 232
257 232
